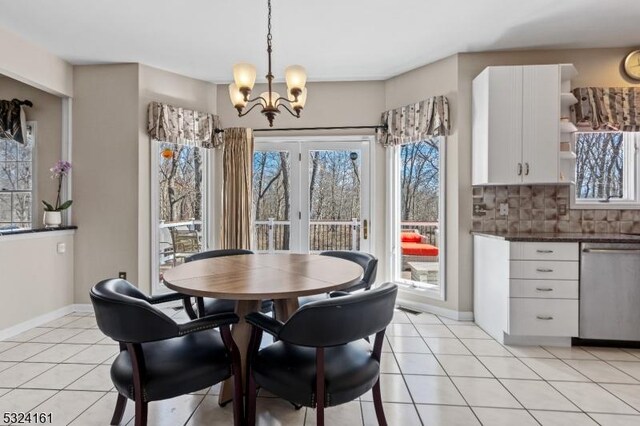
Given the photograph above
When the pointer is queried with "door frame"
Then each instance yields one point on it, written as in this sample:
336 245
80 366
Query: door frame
303 145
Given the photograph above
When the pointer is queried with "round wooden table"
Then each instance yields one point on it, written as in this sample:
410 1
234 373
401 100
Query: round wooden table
249 279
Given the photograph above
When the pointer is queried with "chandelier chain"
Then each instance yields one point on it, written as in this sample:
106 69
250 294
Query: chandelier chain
269 37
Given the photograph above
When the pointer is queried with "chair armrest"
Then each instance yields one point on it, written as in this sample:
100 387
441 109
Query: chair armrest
206 323
338 293
264 322
166 297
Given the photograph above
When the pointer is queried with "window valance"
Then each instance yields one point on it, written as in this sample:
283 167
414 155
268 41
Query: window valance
415 122
180 125
13 121
605 108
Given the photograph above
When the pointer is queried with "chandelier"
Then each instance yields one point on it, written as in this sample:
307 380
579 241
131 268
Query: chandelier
270 102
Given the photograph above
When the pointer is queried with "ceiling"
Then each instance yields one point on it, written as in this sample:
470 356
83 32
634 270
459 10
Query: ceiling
333 39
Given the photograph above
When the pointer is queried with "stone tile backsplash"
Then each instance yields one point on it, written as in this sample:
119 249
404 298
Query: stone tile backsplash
544 208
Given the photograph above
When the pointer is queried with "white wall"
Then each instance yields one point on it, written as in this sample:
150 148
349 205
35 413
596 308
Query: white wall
34 66
34 279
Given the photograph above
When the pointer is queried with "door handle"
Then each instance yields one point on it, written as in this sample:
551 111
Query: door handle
544 270
543 317
526 169
519 169
544 251
365 229
544 289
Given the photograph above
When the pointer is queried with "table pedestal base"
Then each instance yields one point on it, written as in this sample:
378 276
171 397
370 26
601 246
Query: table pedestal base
241 333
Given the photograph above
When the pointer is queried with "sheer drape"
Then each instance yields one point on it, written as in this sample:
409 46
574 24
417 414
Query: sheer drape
237 158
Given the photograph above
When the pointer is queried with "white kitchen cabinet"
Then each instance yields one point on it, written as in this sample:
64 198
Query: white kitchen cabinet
526 292
516 124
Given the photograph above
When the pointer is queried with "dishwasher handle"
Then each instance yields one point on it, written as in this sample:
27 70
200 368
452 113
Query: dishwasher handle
611 250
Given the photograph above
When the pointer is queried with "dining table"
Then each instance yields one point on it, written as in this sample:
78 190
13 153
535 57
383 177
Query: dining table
251 278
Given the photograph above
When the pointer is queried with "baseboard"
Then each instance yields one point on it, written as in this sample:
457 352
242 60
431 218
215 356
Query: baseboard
536 340
14 330
436 310
83 307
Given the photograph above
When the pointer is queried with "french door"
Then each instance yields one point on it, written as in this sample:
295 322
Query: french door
311 195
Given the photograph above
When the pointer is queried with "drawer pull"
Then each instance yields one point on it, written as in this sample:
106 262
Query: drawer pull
544 270
545 318
544 289
544 251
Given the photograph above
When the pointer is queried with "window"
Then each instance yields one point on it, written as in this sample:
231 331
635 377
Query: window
16 182
179 204
417 215
606 168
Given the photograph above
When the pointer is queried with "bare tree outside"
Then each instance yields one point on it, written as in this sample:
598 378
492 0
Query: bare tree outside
420 184
16 176
180 210
271 197
599 165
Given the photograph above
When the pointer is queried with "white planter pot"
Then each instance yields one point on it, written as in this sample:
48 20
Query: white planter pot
52 219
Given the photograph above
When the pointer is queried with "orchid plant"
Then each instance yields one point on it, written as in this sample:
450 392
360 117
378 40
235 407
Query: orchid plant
59 171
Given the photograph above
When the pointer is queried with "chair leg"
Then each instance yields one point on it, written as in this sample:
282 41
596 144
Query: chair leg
121 404
238 399
319 414
377 403
141 413
251 400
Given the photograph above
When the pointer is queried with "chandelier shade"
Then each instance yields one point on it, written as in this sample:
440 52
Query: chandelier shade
244 76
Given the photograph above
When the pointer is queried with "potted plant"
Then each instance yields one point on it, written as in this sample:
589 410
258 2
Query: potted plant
53 213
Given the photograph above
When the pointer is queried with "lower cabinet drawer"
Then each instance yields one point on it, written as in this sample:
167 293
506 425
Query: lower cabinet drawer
544 289
544 270
543 317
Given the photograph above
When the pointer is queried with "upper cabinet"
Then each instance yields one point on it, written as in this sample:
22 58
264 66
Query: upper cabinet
516 114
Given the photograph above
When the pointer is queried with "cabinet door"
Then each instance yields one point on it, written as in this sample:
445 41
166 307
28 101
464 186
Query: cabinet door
540 123
505 125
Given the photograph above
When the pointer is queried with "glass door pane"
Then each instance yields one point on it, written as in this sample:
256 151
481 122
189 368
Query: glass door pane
272 194
335 210
420 207
181 203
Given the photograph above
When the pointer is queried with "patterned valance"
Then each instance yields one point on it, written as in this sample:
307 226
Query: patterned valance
180 125
13 122
415 122
608 108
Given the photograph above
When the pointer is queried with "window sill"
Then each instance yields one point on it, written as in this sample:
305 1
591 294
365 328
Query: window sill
605 206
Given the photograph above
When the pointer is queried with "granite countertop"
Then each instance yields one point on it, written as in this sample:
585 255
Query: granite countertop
562 237
35 230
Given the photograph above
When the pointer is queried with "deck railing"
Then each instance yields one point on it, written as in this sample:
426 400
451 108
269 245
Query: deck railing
274 235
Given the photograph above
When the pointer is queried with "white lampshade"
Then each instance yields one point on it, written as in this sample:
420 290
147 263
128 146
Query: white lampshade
265 96
302 99
244 75
237 98
296 77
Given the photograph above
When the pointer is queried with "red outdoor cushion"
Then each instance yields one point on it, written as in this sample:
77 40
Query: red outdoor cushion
418 249
410 237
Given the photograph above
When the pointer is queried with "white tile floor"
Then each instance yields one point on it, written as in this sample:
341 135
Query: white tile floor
435 372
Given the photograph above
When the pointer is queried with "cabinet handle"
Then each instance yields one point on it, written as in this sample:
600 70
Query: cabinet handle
544 270
545 318
519 169
544 289
526 169
544 251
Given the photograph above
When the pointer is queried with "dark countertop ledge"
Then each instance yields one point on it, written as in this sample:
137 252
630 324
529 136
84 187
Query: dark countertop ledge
562 237
36 230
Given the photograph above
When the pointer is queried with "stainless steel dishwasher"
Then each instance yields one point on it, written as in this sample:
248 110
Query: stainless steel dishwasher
610 291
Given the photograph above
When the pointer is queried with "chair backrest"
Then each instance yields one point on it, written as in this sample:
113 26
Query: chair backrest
368 262
216 253
124 314
341 320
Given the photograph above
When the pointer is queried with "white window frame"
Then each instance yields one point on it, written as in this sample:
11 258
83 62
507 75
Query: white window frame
631 141
393 255
207 209
32 132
